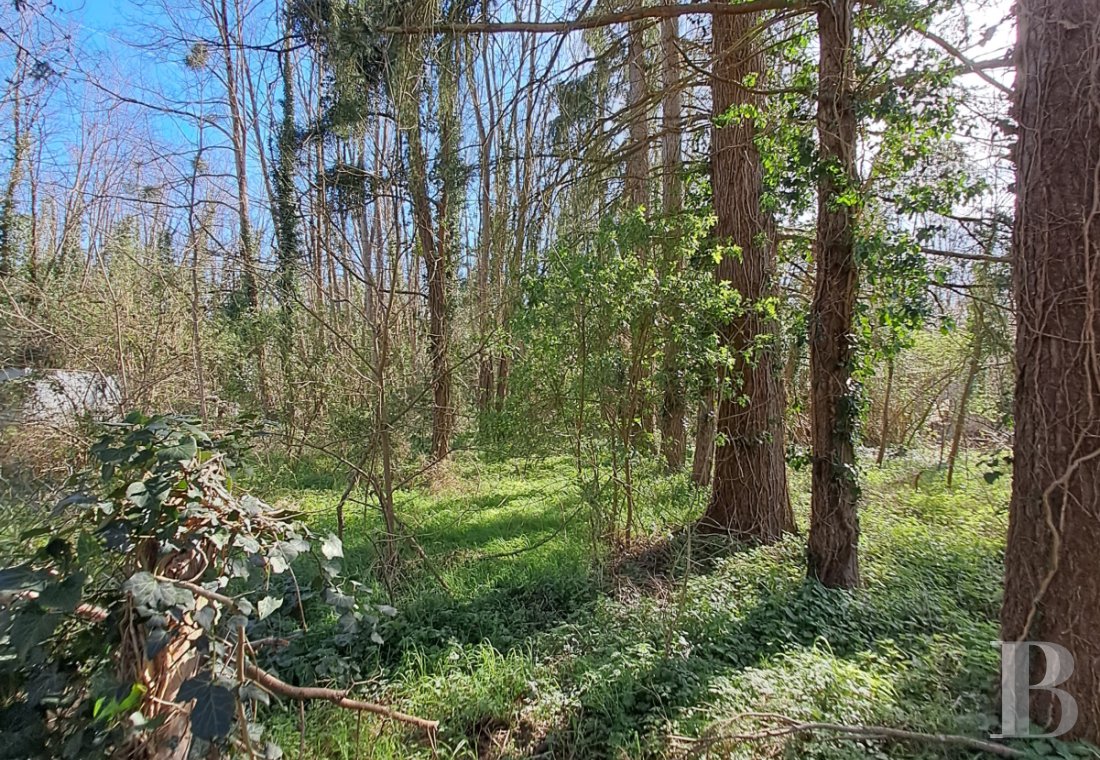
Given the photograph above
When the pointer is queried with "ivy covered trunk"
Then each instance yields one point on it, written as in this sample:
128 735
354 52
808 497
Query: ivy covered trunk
749 499
834 525
1051 564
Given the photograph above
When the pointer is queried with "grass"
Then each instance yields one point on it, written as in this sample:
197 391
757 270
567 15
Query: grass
523 645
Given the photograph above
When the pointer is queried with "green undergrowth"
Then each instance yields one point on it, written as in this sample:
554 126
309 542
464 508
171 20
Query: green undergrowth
524 639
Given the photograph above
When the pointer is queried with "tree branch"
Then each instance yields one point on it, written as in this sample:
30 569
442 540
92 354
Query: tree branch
970 65
337 697
966 256
606 19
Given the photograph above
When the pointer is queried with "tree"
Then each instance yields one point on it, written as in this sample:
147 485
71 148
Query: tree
834 524
1051 567
673 403
749 497
20 143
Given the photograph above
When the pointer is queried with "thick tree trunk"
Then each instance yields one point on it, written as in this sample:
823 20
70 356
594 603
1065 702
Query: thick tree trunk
749 499
1051 562
834 524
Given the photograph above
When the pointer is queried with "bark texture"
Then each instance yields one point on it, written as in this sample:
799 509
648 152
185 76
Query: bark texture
1051 561
749 498
673 402
833 553
706 429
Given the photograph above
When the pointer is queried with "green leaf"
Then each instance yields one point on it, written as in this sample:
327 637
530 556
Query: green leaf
144 588
20 578
63 596
122 701
212 715
156 641
148 592
267 605
278 562
31 627
332 547
182 451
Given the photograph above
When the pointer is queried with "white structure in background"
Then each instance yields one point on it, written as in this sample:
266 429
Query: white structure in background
57 396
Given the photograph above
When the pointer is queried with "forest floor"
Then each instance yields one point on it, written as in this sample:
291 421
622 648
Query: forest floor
521 644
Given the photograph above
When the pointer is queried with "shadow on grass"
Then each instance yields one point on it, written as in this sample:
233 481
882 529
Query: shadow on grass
638 682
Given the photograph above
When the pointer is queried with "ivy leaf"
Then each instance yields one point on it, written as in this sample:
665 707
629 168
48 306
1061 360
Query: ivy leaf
63 596
117 535
30 628
206 616
182 451
250 691
339 600
19 578
267 605
212 715
156 641
332 547
278 562
144 588
148 592
138 493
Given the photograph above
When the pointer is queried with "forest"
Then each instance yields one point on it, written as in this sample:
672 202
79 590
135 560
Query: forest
487 379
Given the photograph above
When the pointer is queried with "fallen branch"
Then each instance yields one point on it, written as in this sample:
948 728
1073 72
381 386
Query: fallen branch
336 696
788 726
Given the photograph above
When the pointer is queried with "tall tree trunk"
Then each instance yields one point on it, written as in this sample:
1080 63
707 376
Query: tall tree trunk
974 364
1051 562
637 161
431 236
834 525
485 134
238 135
21 143
638 407
749 499
884 428
673 405
239 139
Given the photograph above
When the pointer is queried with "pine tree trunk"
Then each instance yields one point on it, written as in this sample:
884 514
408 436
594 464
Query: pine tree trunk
749 499
1051 560
834 524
